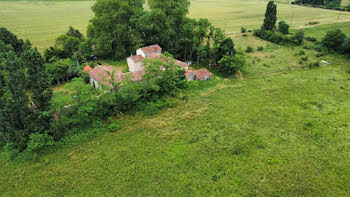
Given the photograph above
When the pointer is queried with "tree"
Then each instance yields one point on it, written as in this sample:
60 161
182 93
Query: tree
334 40
40 86
283 27
270 16
227 47
110 31
231 64
9 38
16 114
298 38
74 33
346 46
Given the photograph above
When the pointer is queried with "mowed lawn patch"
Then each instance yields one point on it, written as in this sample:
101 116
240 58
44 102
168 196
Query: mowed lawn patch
43 21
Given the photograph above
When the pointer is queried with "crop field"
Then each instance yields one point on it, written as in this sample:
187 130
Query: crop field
43 21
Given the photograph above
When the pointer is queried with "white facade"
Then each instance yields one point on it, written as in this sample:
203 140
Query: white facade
134 66
93 82
140 52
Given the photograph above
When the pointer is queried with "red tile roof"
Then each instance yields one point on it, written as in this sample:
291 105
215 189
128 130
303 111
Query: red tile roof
137 58
203 74
87 68
103 74
151 49
188 72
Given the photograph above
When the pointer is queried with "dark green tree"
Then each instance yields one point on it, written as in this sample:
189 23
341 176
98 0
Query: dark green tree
283 27
74 33
227 47
9 38
270 16
110 31
334 40
40 85
17 118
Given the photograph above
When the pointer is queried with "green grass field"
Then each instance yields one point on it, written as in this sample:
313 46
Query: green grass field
43 21
282 130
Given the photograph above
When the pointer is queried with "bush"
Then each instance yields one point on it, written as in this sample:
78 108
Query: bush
229 65
283 27
38 143
260 48
314 65
301 52
243 30
298 39
249 49
314 22
311 39
346 46
334 40
304 58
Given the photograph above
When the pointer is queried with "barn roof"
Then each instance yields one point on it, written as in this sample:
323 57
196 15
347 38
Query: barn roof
151 49
203 73
136 58
103 75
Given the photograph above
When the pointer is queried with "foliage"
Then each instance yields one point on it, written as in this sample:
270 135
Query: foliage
334 40
249 49
270 16
243 30
9 38
16 124
226 47
283 27
298 38
231 64
109 31
40 85
279 38
62 70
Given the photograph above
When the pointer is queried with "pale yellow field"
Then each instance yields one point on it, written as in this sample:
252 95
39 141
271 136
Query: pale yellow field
42 22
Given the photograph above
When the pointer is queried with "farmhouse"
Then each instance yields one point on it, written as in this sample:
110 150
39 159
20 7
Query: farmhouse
102 75
154 52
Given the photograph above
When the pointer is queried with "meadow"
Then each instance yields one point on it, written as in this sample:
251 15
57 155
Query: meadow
43 21
281 130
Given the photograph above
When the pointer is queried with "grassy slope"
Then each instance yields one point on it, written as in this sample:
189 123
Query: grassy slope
277 134
43 22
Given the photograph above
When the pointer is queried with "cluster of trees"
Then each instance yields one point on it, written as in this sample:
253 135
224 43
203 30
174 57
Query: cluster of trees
119 27
33 118
336 41
21 69
280 35
326 3
63 60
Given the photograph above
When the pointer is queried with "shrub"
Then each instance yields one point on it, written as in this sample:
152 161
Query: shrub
304 58
229 65
39 142
346 46
249 49
283 27
301 52
311 39
298 38
243 30
314 65
314 22
260 48
334 40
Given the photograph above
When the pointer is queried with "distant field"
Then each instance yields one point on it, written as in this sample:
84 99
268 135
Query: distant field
345 2
42 22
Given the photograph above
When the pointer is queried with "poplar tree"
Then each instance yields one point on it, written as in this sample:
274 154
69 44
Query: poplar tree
270 16
17 118
40 85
